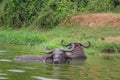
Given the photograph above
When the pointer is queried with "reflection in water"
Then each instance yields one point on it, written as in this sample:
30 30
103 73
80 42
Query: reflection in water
13 70
1 54
2 74
29 68
61 71
57 71
2 78
1 51
43 78
64 71
5 60
79 61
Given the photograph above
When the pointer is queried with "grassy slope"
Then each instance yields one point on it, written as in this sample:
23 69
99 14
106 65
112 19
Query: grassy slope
95 35
52 38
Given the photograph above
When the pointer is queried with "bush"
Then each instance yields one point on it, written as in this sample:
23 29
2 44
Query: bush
109 47
49 13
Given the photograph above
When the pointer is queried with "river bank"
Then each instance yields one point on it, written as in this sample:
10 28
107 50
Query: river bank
104 39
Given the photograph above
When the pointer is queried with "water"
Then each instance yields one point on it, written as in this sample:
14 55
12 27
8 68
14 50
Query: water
94 68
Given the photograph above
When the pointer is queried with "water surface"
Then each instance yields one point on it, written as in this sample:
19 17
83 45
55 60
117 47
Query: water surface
94 68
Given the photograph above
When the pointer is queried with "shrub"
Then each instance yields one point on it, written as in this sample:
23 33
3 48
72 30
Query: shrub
109 47
48 13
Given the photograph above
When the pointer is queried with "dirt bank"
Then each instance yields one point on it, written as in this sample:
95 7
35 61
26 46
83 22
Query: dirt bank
96 19
113 39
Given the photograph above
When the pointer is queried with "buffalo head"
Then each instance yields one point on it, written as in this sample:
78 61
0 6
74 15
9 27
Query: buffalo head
58 55
78 49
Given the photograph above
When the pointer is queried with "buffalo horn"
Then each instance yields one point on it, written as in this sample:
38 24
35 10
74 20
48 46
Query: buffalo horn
85 46
46 51
63 44
68 50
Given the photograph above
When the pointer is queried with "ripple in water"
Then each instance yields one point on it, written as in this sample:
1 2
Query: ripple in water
2 74
2 78
13 70
1 54
43 78
5 60
1 51
29 68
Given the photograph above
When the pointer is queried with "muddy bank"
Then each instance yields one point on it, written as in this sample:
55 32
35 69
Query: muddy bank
96 19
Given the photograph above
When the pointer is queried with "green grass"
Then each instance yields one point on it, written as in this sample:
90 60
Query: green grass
53 37
22 37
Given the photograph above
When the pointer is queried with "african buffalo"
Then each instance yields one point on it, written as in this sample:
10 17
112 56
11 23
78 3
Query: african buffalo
57 55
78 51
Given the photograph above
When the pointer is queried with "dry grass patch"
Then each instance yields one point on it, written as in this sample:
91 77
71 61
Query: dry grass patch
113 39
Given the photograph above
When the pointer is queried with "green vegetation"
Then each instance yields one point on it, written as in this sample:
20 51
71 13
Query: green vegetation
49 13
52 38
26 26
22 37
30 22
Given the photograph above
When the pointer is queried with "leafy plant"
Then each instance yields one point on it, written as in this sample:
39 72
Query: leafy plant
109 47
48 13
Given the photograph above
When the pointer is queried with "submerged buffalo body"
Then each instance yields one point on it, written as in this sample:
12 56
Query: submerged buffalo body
30 58
56 55
34 58
78 51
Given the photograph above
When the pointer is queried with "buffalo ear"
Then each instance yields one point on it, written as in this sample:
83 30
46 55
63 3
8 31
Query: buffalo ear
49 58
68 59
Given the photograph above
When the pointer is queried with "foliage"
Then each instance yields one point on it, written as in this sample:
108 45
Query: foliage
53 37
22 37
48 13
109 47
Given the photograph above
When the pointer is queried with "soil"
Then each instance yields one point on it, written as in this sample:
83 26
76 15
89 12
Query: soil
113 39
96 19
